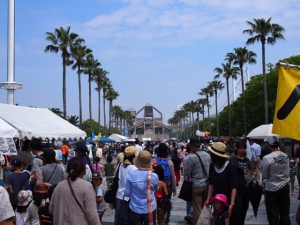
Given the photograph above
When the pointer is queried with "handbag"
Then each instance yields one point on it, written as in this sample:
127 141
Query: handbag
149 202
186 191
122 217
111 191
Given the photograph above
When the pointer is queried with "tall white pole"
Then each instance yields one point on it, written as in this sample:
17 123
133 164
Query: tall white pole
11 50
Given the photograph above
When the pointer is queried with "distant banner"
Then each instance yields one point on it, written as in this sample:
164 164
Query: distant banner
286 119
7 146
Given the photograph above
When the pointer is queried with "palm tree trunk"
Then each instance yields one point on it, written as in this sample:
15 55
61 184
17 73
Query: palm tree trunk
193 134
265 82
208 116
228 106
104 115
90 103
110 112
80 103
216 99
64 88
243 91
99 110
203 122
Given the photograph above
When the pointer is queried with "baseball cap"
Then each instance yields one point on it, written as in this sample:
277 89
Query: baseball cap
16 162
272 140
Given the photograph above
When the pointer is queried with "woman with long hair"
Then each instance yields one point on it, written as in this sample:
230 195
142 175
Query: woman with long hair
76 193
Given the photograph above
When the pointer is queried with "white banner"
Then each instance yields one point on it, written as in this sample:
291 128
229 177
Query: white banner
7 146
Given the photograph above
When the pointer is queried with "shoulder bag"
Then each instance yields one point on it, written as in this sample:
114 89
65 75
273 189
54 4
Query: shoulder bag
111 191
186 191
149 202
72 191
52 173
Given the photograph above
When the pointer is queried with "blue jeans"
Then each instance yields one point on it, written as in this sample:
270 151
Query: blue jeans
65 159
140 219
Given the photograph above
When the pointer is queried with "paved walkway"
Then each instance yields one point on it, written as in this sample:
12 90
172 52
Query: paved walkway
179 212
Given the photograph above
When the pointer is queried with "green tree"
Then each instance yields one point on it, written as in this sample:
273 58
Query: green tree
202 102
90 65
106 84
263 31
228 72
61 40
215 86
56 111
239 57
207 92
79 53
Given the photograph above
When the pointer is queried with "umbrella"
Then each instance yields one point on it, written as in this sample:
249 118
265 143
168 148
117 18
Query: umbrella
255 192
105 139
262 132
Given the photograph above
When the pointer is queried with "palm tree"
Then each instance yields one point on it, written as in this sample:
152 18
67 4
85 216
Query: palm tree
215 86
207 92
117 114
239 57
90 66
61 40
228 72
106 84
73 120
111 95
202 102
56 111
79 53
263 31
198 110
99 77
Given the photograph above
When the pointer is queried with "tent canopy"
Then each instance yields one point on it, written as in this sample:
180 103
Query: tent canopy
105 139
117 137
7 131
39 123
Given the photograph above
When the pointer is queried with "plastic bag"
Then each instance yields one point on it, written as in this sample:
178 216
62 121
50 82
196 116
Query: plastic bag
206 217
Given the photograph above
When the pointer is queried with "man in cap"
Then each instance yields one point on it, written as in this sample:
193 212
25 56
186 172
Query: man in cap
65 150
255 159
197 168
36 146
275 180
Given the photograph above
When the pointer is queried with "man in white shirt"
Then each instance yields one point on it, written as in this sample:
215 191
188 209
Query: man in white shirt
138 148
275 180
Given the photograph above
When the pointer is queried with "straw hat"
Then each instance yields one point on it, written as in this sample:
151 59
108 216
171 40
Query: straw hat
41 189
143 160
218 148
129 152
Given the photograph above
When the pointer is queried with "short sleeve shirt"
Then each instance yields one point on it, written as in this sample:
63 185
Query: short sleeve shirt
17 181
57 176
100 205
36 164
219 218
6 210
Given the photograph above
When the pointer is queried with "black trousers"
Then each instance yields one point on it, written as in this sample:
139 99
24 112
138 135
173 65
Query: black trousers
244 208
278 206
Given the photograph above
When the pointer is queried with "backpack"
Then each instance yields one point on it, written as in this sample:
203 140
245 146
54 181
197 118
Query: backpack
204 148
165 165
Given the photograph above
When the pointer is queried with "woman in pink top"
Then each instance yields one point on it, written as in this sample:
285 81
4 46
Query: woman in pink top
97 167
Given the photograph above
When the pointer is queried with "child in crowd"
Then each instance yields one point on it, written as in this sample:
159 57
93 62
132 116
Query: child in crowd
176 161
97 167
220 213
109 169
101 207
17 181
161 195
293 171
45 217
27 187
24 199
39 199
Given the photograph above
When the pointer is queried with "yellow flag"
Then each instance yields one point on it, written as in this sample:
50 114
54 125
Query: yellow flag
100 135
287 112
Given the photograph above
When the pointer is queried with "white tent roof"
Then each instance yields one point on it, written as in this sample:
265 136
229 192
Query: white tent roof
38 123
117 137
7 131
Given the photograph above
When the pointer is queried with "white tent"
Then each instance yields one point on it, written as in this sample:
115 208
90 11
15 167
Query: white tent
7 131
38 123
117 137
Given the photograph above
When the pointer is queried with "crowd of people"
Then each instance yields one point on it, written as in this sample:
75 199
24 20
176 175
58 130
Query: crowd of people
41 190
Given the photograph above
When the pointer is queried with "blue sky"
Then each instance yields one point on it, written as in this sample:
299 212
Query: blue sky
160 52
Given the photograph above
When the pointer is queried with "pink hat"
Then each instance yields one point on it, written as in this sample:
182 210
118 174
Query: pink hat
220 197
